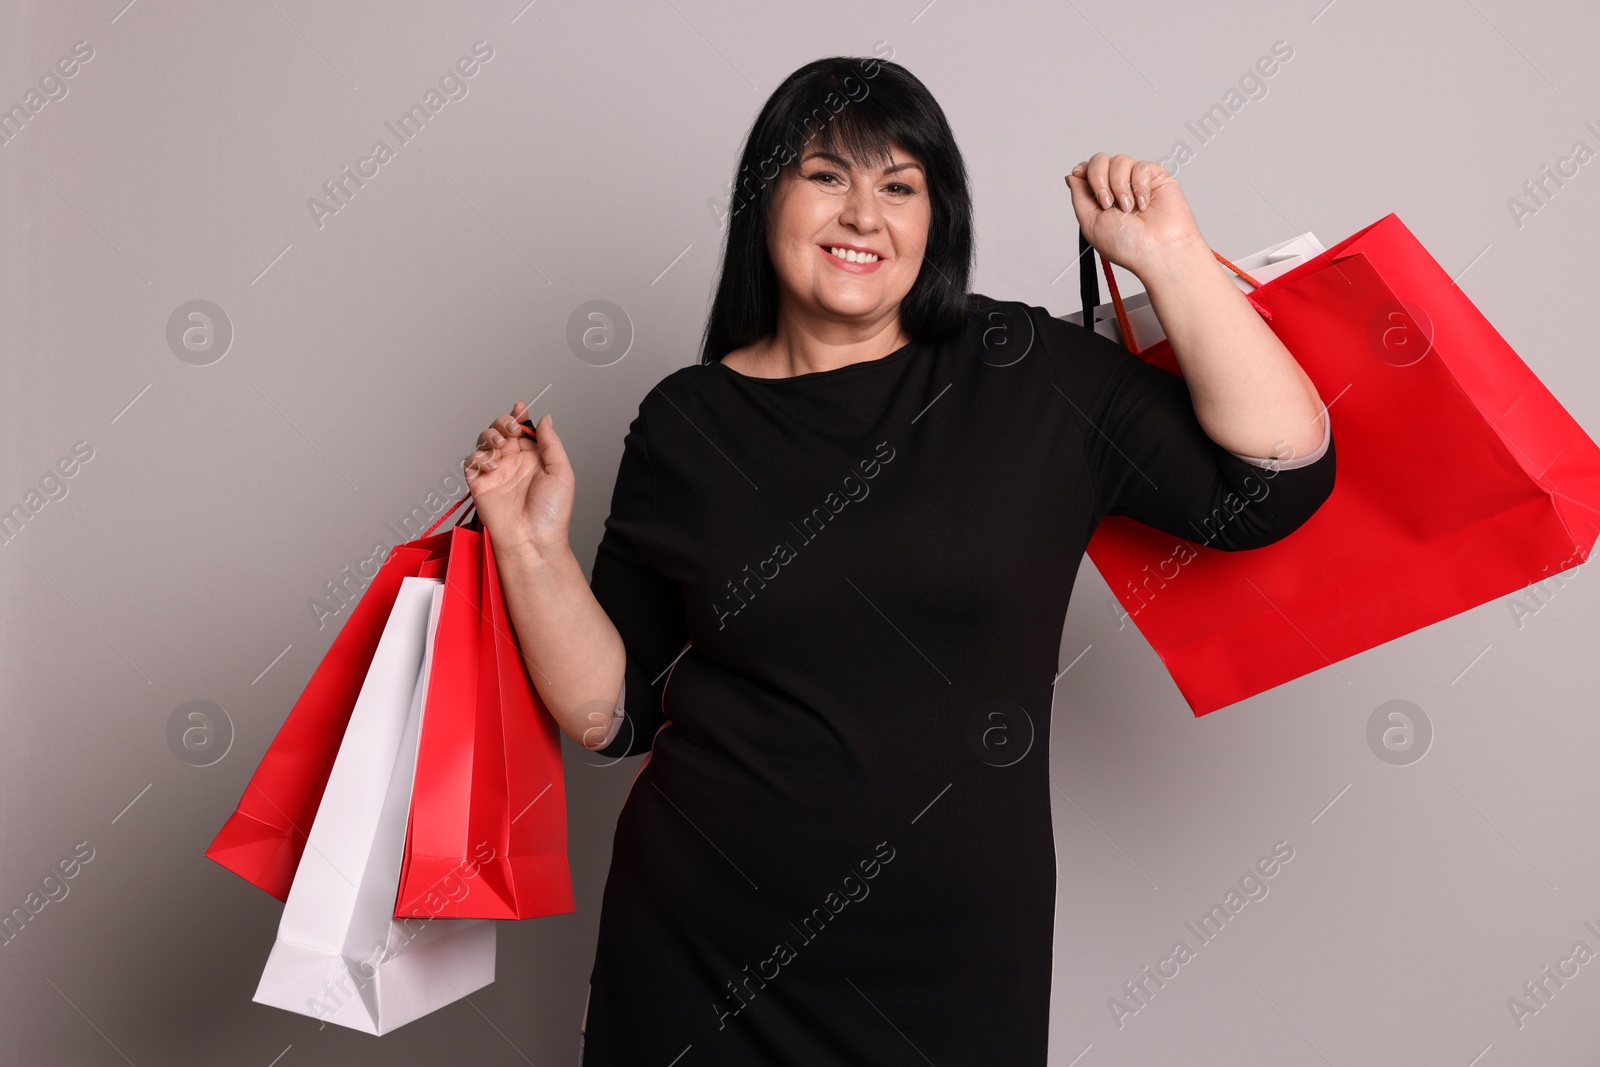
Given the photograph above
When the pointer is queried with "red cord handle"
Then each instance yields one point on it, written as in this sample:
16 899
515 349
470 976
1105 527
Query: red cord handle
447 514
1122 311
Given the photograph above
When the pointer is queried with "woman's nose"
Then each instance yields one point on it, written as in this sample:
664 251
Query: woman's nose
860 210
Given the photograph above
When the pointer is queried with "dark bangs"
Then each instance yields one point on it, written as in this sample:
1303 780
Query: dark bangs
857 109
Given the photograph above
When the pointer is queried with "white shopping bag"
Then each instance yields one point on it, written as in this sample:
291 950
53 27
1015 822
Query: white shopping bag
340 954
1263 266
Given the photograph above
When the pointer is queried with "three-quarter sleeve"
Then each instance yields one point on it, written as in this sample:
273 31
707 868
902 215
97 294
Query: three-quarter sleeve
645 606
1151 460
1290 463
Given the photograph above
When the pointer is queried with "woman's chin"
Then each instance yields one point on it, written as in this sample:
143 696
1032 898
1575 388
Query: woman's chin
851 301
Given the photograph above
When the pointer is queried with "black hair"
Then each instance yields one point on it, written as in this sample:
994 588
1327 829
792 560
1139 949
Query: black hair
859 109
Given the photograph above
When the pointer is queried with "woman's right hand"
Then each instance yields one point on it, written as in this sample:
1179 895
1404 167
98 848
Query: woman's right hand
522 485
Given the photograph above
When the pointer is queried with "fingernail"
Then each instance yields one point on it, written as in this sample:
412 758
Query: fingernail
496 440
1144 202
1105 198
1127 202
491 464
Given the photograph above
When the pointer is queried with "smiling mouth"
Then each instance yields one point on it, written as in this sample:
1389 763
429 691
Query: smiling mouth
850 255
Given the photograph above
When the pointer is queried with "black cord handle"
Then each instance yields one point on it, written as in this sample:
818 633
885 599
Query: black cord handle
1088 280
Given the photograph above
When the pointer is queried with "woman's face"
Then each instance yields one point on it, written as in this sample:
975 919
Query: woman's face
828 206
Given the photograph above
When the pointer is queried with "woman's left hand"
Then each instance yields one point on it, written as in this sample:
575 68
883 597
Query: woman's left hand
1131 210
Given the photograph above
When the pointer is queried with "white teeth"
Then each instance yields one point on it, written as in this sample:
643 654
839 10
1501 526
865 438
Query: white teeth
851 256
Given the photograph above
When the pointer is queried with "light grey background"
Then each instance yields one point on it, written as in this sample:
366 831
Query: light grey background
367 353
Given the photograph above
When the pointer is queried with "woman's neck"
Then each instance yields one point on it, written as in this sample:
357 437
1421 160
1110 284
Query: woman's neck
805 347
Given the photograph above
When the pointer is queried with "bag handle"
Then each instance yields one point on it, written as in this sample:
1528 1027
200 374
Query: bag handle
1089 290
469 518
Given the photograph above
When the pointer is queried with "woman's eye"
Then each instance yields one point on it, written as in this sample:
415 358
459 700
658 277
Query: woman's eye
823 174
901 189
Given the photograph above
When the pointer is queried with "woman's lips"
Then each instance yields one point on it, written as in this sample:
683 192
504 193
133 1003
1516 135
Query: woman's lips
845 264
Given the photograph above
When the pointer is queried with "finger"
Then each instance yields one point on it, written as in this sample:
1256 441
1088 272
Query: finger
1143 175
1099 172
504 436
1119 175
551 453
510 427
513 423
1083 202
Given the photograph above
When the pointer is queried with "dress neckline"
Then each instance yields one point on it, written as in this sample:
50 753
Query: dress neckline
897 354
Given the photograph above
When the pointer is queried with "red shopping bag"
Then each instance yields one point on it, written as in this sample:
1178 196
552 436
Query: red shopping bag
262 840
487 836
487 828
1461 479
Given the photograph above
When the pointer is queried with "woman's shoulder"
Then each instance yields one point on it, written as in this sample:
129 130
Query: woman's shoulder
984 310
686 384
1081 363
1003 332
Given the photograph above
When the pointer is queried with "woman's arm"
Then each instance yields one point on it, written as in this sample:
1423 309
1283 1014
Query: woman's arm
1249 394
523 488
573 651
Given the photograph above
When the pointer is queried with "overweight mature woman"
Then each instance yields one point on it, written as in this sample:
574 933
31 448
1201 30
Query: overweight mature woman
829 597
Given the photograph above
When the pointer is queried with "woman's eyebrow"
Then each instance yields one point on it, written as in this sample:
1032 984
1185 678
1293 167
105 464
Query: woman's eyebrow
830 157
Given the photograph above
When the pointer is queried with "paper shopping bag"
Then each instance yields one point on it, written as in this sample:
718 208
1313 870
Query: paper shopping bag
488 831
340 954
262 840
1461 479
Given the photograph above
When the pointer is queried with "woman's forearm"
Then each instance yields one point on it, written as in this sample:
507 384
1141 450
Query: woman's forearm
574 654
1249 394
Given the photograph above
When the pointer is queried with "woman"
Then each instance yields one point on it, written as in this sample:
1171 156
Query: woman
830 593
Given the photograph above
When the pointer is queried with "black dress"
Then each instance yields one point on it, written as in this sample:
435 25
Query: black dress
839 849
